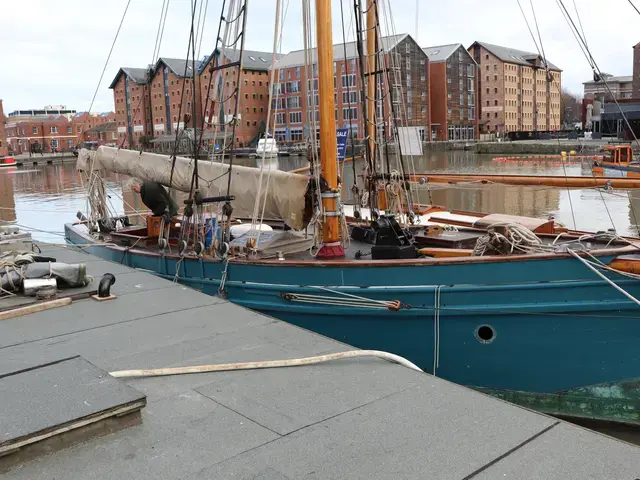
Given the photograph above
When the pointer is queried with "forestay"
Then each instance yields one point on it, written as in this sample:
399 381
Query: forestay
286 194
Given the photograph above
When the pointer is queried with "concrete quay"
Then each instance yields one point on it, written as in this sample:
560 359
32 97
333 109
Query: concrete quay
47 158
358 419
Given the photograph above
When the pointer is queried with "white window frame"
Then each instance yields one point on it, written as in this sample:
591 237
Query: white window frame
295 117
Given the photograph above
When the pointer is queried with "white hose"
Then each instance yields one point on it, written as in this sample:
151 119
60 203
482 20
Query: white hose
294 362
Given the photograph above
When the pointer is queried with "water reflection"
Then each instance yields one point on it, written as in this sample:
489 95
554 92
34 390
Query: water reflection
7 201
46 197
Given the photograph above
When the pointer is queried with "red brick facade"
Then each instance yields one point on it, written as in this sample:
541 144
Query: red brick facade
55 133
103 134
169 101
636 71
132 107
84 121
4 148
512 90
453 79
253 102
148 108
293 105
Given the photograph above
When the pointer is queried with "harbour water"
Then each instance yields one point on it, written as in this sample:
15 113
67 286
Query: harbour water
43 198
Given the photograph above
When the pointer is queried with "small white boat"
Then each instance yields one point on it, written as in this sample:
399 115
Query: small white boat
267 145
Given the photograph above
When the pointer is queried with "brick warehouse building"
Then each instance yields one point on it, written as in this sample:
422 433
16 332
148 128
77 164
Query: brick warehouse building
170 77
4 147
132 106
254 96
103 134
635 91
512 90
293 105
453 80
47 134
85 121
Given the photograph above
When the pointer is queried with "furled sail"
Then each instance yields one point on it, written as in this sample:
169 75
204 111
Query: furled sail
285 197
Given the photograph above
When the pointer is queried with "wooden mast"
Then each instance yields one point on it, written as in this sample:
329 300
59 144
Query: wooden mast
331 246
371 78
372 91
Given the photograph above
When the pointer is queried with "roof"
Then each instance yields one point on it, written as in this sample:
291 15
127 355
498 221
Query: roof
440 53
621 79
103 114
513 55
105 127
137 75
177 66
36 120
296 57
251 59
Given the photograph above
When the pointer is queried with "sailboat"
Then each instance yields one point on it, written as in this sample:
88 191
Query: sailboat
522 308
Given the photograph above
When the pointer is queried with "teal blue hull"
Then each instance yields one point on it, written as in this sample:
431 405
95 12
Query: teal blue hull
553 324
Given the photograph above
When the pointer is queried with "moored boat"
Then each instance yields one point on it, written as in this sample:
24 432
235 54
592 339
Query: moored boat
7 161
515 306
525 326
617 162
267 146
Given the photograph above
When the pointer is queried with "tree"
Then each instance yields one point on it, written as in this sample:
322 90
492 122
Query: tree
570 108
145 142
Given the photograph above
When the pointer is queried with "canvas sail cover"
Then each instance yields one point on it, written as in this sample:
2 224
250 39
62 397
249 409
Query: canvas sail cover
285 198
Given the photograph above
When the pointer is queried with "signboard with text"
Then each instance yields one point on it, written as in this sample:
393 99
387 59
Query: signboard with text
341 134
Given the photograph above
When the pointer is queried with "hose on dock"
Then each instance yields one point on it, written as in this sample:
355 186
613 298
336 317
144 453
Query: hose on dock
294 362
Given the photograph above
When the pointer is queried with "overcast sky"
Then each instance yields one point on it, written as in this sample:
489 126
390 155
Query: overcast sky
54 52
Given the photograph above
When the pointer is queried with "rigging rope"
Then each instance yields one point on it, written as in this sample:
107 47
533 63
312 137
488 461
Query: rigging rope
354 189
179 132
402 115
582 42
310 74
436 328
601 275
156 52
595 65
277 46
201 28
113 44
540 49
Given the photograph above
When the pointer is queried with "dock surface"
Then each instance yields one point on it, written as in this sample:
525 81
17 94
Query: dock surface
362 418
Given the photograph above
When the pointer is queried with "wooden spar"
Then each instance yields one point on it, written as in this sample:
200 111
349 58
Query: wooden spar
533 180
524 180
331 247
35 307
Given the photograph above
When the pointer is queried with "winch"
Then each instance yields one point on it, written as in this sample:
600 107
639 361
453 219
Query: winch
392 241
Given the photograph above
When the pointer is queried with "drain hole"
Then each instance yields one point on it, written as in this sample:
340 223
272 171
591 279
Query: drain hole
485 333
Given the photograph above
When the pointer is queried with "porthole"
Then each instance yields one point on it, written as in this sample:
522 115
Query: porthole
485 334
